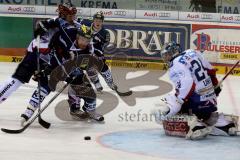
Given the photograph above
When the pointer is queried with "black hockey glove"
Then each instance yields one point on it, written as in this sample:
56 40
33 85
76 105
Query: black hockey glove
40 30
38 75
69 79
42 73
217 90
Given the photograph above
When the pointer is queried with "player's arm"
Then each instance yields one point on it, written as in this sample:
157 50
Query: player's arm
211 72
183 81
43 26
184 86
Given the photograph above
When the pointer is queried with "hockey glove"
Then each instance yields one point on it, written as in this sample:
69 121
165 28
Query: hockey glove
42 73
40 30
38 75
217 90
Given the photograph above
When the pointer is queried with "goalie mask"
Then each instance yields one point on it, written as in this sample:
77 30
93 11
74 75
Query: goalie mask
170 51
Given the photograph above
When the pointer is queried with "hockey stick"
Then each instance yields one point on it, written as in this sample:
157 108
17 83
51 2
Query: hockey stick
42 122
227 74
12 131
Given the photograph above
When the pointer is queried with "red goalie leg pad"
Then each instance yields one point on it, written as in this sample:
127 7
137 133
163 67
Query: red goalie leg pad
176 126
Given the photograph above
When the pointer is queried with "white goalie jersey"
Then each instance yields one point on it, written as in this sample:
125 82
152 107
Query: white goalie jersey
189 73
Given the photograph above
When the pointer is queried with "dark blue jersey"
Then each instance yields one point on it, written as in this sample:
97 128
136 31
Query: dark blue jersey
100 38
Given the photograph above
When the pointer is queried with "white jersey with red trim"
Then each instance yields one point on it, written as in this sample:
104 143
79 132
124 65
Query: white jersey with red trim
189 74
44 49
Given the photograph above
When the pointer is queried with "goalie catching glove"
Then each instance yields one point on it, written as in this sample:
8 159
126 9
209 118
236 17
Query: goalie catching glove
173 105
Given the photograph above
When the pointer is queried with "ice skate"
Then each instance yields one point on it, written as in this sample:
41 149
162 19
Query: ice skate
78 114
94 115
27 115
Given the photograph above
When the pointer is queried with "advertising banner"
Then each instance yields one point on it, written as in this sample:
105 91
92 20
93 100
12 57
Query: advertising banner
142 40
163 5
22 9
115 13
107 4
53 10
230 18
110 4
149 14
199 16
220 44
228 6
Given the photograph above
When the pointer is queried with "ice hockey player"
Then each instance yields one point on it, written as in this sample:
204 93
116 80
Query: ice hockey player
195 100
28 65
100 40
82 47
26 69
63 32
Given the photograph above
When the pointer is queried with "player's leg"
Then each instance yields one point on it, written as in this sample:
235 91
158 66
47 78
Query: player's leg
81 88
93 76
90 108
198 129
74 105
35 99
76 89
107 75
22 74
8 87
226 125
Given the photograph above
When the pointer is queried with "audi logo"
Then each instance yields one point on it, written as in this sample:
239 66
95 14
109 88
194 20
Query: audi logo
164 14
120 13
206 16
29 9
237 18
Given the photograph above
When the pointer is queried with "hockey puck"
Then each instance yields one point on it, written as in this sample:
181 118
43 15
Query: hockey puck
87 138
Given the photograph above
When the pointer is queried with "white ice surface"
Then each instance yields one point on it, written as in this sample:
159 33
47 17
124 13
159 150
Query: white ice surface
65 139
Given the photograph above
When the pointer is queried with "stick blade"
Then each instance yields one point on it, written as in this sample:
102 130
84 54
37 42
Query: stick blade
43 123
15 131
12 131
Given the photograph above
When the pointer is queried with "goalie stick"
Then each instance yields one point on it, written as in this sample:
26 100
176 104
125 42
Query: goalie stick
12 131
42 122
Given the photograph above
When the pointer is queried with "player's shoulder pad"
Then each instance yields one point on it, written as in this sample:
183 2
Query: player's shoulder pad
103 32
